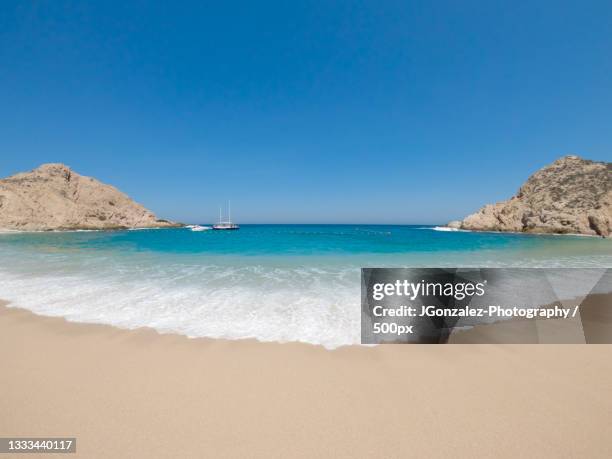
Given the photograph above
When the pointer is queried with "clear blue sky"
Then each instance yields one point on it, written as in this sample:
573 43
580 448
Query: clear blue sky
300 111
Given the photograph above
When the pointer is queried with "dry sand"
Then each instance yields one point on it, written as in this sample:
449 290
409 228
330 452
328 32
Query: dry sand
138 394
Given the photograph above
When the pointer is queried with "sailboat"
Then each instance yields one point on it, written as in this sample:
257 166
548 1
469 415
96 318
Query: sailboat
226 225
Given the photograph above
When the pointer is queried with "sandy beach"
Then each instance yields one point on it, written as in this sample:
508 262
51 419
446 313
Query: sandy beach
141 394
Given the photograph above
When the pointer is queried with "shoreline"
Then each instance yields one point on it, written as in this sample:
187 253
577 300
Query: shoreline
7 305
594 316
138 393
438 228
450 229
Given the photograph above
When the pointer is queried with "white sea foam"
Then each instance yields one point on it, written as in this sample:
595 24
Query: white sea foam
448 229
318 305
269 304
444 228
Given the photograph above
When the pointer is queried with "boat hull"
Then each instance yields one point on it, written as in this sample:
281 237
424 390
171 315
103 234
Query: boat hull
226 227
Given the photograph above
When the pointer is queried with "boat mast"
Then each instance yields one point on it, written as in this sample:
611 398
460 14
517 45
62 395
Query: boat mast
220 220
229 211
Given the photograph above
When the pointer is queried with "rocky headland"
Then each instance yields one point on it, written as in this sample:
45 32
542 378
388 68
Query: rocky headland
570 196
54 197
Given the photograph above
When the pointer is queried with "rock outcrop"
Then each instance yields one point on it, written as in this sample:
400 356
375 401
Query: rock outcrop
53 197
572 195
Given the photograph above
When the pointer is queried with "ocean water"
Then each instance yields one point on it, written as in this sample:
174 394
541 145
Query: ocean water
269 282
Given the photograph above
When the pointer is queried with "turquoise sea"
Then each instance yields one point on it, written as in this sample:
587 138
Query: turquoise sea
270 282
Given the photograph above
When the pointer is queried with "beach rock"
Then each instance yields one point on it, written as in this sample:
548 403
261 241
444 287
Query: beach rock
54 197
455 224
571 195
600 224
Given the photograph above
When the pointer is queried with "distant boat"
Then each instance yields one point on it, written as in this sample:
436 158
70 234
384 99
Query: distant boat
226 225
199 228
